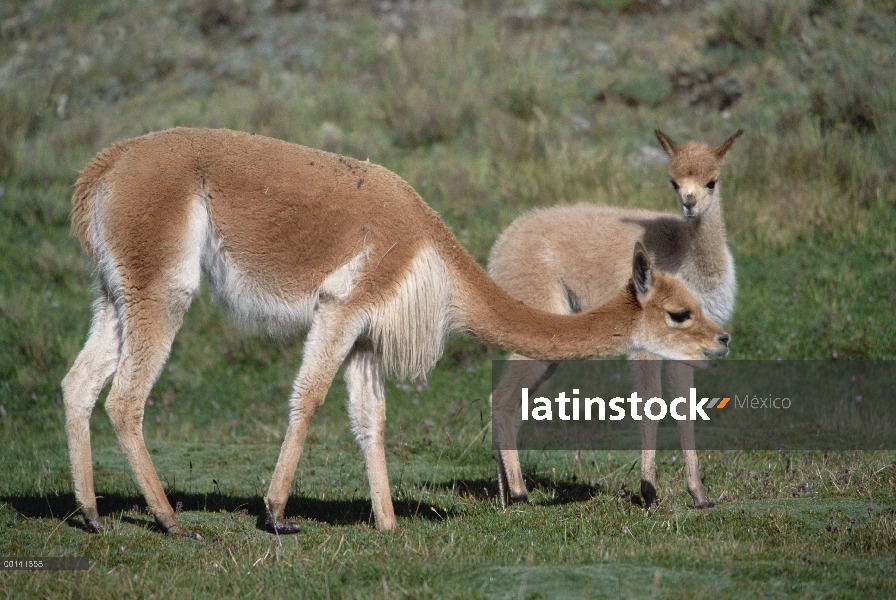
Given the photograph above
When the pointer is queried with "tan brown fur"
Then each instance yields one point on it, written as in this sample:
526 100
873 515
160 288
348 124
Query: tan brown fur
568 259
86 190
301 239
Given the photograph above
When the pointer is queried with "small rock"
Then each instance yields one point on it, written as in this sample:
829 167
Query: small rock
330 130
62 107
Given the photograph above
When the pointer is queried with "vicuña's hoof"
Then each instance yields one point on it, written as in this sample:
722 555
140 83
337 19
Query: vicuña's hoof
387 526
178 530
98 525
281 526
524 499
700 500
648 495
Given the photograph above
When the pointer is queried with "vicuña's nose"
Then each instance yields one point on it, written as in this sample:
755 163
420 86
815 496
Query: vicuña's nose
689 201
725 338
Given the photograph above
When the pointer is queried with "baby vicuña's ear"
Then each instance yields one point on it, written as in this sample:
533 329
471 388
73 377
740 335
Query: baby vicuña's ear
722 150
666 142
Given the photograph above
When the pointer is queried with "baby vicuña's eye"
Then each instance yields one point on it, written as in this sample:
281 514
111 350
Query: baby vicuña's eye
674 185
711 184
680 316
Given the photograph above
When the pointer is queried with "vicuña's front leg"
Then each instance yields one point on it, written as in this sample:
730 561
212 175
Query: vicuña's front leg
331 336
520 372
646 369
681 380
364 377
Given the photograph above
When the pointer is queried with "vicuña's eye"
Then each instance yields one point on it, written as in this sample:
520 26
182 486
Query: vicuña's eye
680 316
711 184
675 185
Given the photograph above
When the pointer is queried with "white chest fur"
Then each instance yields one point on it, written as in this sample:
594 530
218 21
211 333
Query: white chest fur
716 289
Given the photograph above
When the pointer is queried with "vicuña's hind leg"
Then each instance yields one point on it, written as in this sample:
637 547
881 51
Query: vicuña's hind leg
149 326
646 369
367 412
92 369
518 374
333 331
681 380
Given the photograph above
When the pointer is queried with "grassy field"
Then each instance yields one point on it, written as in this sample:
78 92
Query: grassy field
487 109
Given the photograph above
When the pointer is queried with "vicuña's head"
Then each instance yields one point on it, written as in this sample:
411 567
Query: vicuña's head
672 325
694 169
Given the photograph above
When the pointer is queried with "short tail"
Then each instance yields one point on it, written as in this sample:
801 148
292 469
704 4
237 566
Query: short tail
86 189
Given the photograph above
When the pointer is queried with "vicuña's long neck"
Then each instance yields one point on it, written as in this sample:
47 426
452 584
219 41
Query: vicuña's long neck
708 247
489 313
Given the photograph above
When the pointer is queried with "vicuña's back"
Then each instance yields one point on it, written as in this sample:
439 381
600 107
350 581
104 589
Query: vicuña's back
301 239
273 226
571 258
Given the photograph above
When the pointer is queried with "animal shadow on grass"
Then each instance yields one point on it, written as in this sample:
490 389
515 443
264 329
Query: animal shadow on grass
333 512
557 492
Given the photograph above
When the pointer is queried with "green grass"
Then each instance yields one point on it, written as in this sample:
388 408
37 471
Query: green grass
488 110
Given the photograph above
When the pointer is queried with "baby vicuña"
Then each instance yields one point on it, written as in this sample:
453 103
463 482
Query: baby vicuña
569 259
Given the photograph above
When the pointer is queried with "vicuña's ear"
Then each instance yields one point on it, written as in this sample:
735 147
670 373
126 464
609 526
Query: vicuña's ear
722 150
642 271
666 142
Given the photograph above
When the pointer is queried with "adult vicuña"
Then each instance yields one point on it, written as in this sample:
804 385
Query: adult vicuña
298 238
569 259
